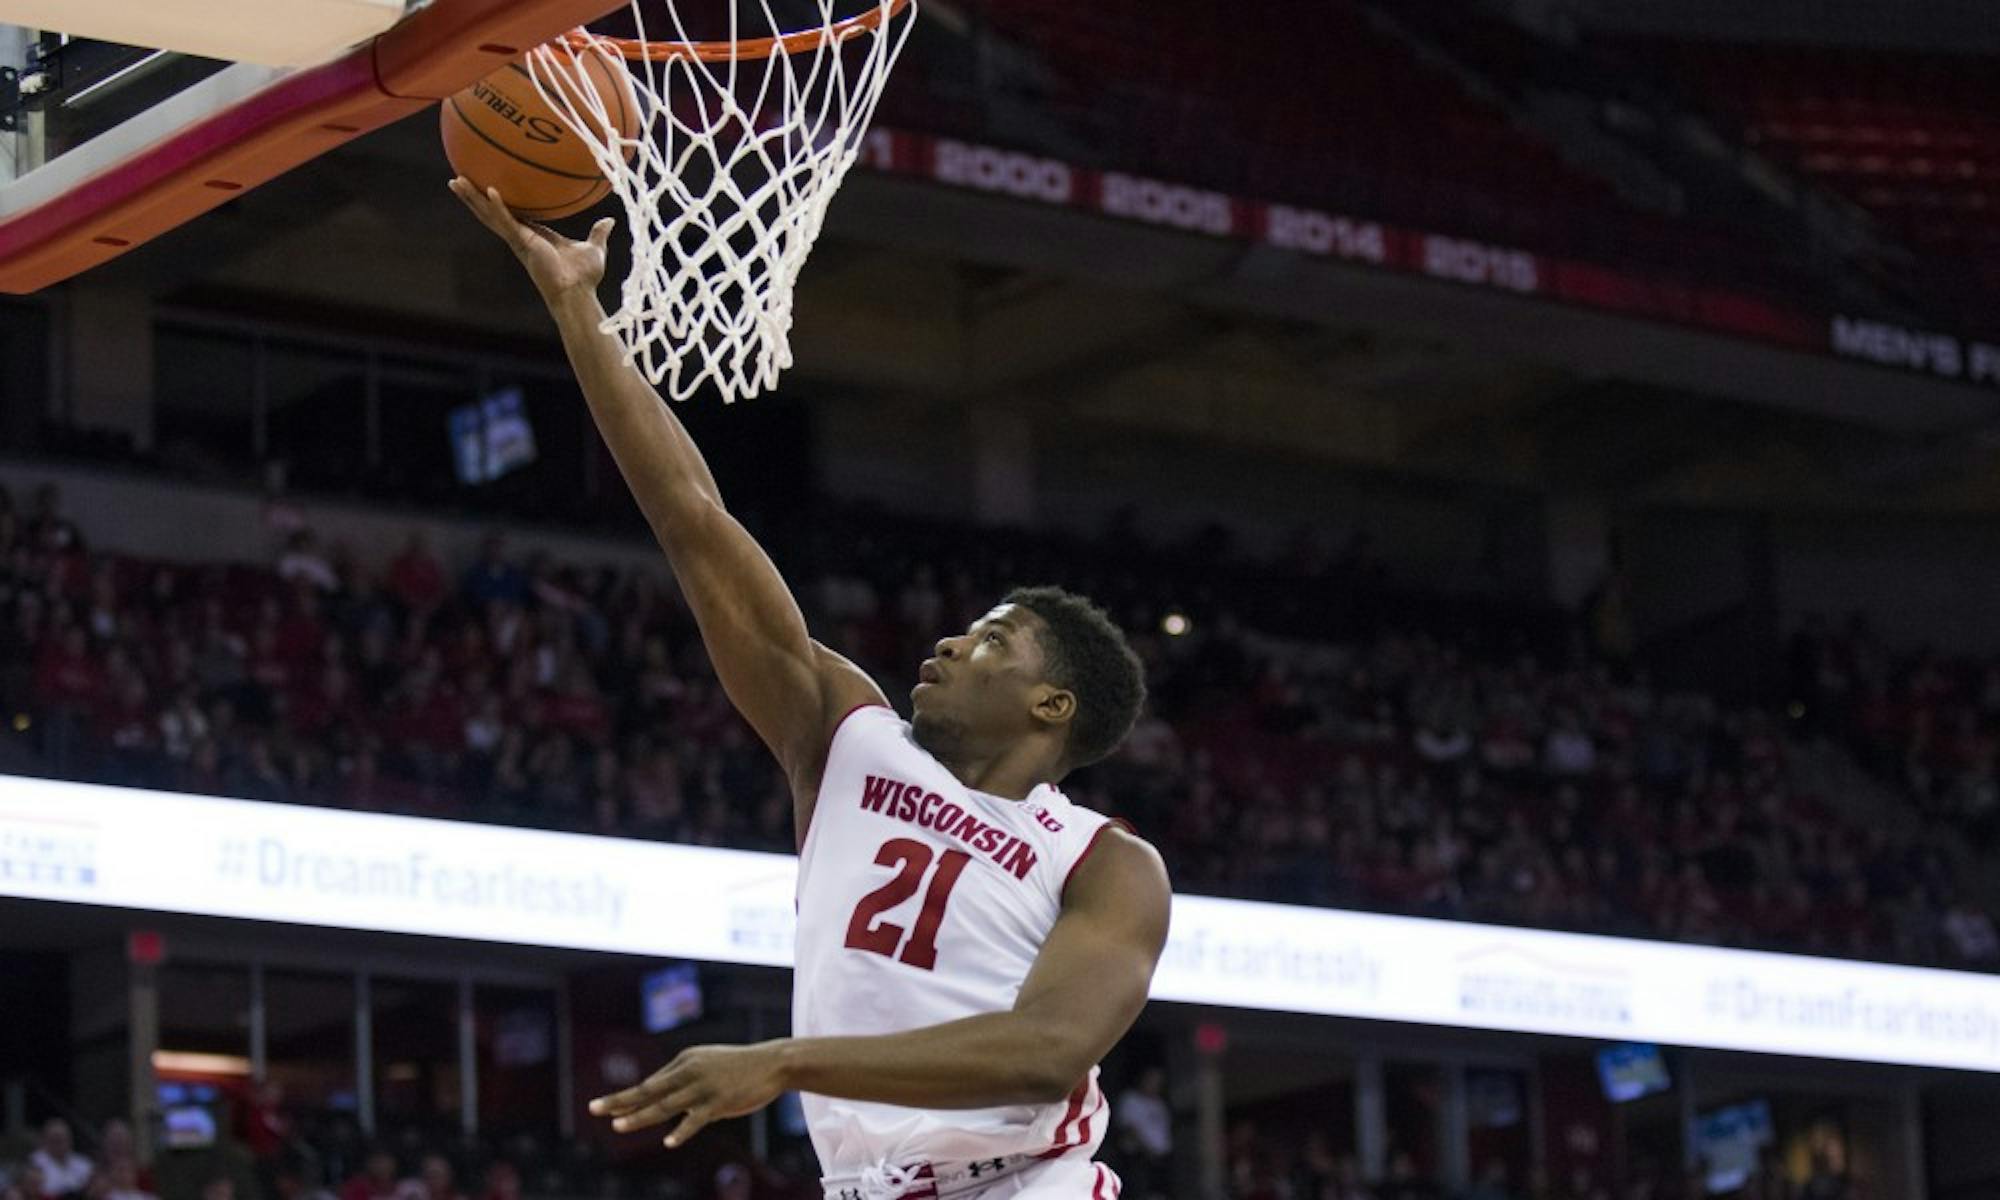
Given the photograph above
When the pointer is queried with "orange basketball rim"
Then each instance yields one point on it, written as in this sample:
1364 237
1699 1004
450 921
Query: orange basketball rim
747 142
748 50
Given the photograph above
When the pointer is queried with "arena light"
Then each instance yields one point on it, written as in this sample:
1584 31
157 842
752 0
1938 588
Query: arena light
191 1062
233 858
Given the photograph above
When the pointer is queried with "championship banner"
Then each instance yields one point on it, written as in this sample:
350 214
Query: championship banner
1308 231
159 852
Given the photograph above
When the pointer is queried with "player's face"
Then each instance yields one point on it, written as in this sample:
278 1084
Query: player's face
981 687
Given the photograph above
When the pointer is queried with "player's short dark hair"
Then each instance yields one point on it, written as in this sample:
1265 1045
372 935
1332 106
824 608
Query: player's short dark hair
1086 653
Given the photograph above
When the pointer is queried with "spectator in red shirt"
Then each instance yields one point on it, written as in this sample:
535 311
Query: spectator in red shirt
433 1182
67 675
575 707
290 1184
301 633
116 1148
266 1128
468 652
270 674
377 1180
503 1181
69 684
324 702
120 1181
415 576
429 716
28 1184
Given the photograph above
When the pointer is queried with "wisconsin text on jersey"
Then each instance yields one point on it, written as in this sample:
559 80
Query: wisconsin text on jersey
928 810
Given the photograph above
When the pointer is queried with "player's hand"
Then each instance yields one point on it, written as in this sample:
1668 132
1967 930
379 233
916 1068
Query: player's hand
702 1084
558 265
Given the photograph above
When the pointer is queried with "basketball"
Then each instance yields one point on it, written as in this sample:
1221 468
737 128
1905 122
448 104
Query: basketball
500 133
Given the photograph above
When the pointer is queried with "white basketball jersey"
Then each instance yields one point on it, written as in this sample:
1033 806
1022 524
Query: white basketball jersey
923 901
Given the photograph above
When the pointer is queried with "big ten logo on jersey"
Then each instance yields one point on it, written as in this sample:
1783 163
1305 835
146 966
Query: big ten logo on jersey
1043 818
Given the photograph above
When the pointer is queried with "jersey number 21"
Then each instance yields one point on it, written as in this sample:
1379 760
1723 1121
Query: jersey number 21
910 860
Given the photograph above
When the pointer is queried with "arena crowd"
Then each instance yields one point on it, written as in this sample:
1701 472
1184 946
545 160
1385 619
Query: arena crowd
1313 736
1312 751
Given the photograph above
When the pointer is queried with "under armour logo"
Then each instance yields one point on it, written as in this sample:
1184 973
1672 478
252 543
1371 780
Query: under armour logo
850 1194
980 1168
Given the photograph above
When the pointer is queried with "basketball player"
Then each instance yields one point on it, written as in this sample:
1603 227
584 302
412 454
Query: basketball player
970 943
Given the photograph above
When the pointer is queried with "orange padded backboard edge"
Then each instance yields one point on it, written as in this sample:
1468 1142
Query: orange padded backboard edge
441 49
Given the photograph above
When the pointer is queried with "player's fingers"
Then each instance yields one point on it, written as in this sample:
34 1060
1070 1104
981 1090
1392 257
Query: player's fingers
665 1094
491 212
693 1123
657 1086
664 1109
625 1103
600 233
501 220
475 200
617 1104
469 196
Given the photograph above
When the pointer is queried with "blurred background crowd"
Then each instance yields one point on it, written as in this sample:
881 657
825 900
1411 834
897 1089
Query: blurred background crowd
1313 735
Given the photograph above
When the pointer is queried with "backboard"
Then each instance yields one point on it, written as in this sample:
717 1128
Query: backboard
105 145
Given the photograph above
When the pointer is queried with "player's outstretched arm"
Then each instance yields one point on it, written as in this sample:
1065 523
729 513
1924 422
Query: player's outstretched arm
790 688
1086 988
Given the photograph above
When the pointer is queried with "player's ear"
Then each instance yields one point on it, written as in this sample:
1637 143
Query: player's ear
1054 706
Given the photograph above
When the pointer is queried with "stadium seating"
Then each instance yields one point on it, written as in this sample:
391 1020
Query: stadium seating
1914 139
1209 97
1233 106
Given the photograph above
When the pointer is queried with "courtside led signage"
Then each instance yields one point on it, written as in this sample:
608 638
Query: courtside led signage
234 858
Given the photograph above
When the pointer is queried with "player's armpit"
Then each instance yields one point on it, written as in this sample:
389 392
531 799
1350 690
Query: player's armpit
843 687
1092 976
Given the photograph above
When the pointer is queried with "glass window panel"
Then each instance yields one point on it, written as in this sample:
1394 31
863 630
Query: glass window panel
204 416
205 1009
1414 1096
416 406
318 415
1499 1145
517 1060
416 1057
309 1047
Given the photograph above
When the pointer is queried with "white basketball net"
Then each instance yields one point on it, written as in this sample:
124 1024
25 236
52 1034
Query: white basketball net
728 182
